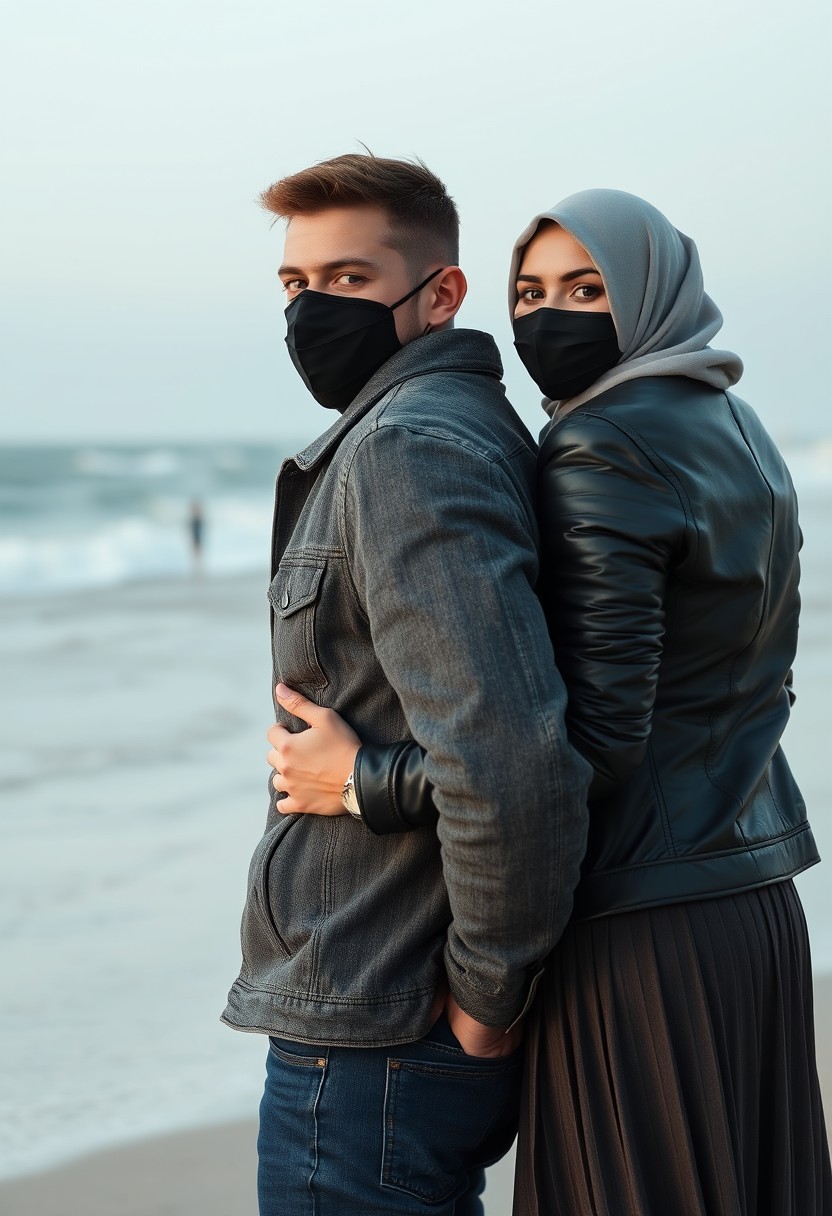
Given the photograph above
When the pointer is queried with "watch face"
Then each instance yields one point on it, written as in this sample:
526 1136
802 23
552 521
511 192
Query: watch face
351 801
350 798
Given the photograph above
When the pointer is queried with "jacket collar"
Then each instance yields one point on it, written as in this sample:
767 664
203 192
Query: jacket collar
457 350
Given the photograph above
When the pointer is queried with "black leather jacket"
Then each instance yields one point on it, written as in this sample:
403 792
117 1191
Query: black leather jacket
670 581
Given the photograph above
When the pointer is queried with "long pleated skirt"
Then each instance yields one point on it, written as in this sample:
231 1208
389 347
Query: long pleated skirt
671 1067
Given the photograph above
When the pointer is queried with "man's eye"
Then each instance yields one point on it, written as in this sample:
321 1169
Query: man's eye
350 280
294 285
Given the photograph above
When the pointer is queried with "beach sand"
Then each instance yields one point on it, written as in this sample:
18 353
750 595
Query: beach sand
211 1171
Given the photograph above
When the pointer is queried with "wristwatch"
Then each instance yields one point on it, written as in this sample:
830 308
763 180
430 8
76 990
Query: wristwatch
350 798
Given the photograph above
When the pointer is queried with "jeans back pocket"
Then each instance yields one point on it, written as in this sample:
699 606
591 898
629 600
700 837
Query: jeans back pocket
443 1120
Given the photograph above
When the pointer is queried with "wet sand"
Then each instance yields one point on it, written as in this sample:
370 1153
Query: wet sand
207 1172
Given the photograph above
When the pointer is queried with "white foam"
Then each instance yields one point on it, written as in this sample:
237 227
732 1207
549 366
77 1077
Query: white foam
162 462
73 556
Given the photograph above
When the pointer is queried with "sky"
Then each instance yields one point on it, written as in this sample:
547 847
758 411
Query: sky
138 290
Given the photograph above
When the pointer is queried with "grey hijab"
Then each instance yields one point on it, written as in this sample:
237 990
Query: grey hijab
651 272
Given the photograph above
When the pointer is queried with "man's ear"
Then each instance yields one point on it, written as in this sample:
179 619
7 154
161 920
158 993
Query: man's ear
444 297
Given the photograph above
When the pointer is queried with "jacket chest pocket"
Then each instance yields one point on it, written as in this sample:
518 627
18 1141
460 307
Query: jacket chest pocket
295 597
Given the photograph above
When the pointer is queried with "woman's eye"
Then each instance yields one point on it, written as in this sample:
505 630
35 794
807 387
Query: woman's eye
532 294
587 291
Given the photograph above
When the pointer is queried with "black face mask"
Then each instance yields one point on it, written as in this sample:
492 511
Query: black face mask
337 342
565 352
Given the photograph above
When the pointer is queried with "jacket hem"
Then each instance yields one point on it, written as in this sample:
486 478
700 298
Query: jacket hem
332 1021
681 879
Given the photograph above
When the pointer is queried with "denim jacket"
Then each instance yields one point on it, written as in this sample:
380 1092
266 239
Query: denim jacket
403 595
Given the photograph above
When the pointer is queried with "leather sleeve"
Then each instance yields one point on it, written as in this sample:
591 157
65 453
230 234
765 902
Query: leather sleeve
611 519
392 788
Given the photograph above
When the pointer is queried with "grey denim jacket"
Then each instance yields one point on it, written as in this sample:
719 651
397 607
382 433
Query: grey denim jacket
404 565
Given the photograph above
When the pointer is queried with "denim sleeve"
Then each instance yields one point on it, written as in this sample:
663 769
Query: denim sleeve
443 559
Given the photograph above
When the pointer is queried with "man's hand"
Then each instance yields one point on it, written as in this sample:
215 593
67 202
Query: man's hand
478 1040
312 765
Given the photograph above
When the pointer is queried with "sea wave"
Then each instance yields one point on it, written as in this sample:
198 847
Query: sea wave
103 553
101 462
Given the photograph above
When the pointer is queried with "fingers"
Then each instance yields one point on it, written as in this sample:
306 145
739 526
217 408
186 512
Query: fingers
310 765
279 779
280 739
328 725
281 769
298 705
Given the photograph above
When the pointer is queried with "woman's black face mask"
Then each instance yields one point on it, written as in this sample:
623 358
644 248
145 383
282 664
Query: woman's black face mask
565 351
338 342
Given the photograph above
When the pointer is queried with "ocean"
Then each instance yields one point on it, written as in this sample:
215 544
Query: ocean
136 696
97 515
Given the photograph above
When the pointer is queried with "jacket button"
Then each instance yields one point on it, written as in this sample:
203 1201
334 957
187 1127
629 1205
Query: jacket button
284 599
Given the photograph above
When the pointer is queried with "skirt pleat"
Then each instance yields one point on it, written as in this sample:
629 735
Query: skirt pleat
671 1067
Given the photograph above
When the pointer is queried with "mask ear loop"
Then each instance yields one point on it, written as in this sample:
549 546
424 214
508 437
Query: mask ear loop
416 290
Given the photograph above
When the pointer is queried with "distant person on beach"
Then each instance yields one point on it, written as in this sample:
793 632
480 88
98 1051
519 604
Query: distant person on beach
670 1065
196 530
391 972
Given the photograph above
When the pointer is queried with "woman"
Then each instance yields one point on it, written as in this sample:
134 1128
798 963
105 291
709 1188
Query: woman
670 1053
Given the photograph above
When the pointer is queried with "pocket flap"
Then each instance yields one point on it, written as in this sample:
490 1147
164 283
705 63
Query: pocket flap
294 587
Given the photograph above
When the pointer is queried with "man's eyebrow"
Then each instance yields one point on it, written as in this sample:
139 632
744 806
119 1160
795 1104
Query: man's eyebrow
330 267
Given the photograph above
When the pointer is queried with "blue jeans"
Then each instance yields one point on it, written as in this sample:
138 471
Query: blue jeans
355 1131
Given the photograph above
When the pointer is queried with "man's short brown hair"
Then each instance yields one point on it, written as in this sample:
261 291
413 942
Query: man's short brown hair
424 224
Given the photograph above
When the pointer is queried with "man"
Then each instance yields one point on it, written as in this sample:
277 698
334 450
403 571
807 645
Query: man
404 563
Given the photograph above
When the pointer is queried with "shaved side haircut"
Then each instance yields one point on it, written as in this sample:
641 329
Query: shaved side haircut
423 219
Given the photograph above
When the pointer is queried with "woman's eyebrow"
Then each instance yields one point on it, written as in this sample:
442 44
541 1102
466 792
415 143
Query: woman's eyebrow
577 274
564 278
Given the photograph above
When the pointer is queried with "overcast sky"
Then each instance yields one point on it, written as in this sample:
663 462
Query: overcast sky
139 295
